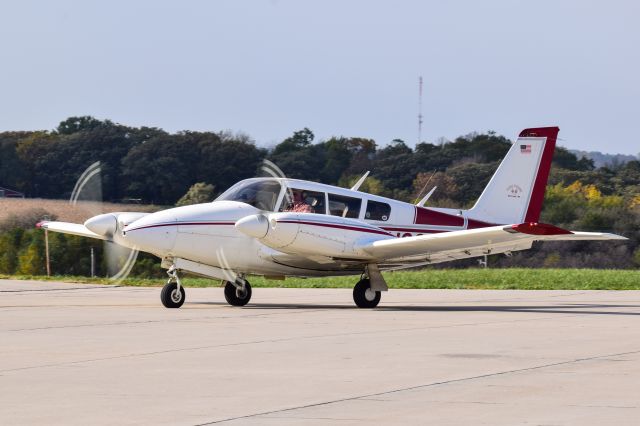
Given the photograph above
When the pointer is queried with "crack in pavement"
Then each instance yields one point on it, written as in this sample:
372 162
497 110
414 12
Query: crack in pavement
423 386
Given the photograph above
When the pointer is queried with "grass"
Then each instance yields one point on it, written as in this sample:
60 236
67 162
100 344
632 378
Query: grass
495 279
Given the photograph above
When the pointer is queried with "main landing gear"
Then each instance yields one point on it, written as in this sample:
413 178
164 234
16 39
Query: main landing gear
368 291
237 293
364 296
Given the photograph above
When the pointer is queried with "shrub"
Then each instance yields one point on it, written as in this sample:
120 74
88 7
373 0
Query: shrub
200 192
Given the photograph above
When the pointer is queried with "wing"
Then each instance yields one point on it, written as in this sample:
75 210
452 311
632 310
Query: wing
71 228
434 248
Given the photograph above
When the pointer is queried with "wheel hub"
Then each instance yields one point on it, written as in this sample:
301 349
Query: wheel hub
176 296
369 294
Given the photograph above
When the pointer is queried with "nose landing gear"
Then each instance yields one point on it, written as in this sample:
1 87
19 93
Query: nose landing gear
173 294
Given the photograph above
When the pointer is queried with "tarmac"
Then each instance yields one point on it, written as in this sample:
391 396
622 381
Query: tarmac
87 354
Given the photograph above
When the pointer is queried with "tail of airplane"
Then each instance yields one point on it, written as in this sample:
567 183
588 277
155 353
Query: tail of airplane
516 191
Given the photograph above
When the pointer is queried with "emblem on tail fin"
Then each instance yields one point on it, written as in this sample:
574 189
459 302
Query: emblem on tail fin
514 191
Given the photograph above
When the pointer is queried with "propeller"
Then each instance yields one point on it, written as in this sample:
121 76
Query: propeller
87 196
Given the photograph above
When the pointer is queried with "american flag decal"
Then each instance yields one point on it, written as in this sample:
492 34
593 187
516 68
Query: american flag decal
525 149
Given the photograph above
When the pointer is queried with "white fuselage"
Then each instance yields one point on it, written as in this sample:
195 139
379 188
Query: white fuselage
234 235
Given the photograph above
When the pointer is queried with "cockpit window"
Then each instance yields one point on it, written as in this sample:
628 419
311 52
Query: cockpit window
377 211
344 206
261 194
303 201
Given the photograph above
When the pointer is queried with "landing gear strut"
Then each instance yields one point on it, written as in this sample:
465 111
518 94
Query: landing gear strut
173 294
237 293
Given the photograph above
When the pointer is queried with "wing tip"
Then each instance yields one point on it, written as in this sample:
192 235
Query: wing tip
604 236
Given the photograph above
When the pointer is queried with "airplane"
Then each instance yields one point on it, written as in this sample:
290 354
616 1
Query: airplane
278 227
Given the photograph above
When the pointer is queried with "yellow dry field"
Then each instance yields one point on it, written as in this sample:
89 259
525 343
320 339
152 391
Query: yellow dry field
64 211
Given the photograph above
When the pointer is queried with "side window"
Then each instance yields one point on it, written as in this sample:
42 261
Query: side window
344 206
377 211
303 201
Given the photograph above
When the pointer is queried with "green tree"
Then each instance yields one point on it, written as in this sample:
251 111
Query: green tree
12 169
636 258
200 192
337 159
395 167
363 152
31 260
568 160
78 124
474 147
54 161
10 242
162 169
470 180
442 197
371 185
298 158
299 140
225 159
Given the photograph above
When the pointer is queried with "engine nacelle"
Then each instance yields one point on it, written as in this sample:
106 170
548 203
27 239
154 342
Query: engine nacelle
110 224
311 234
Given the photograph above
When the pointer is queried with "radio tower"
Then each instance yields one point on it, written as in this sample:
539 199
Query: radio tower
419 109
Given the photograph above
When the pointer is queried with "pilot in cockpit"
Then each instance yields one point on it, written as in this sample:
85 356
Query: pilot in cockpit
299 203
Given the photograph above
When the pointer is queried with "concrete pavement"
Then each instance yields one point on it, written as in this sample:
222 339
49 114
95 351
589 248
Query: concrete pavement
84 354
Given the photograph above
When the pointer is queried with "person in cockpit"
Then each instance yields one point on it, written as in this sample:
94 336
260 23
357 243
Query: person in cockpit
299 204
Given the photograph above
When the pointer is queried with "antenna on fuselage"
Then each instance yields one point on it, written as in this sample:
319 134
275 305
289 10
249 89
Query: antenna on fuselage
426 197
360 181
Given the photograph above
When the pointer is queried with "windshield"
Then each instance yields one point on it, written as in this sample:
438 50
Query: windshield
261 194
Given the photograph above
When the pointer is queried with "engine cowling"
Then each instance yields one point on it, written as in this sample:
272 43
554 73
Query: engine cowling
109 224
310 234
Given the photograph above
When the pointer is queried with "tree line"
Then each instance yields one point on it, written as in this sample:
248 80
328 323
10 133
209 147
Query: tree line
168 168
158 167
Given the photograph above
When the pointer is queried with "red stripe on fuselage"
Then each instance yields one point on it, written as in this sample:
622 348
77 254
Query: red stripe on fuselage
424 216
413 230
159 225
474 224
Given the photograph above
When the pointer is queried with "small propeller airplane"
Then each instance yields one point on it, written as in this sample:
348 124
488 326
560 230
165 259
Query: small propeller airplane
279 227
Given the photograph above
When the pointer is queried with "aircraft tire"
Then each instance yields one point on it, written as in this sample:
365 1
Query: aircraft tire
232 296
170 297
364 296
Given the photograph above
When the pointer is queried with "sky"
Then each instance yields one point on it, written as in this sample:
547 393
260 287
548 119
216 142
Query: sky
341 68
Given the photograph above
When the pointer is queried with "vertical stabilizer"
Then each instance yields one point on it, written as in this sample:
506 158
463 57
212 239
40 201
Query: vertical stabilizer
516 191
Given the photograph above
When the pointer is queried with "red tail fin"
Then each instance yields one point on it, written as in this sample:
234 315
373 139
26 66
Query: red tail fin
537 194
